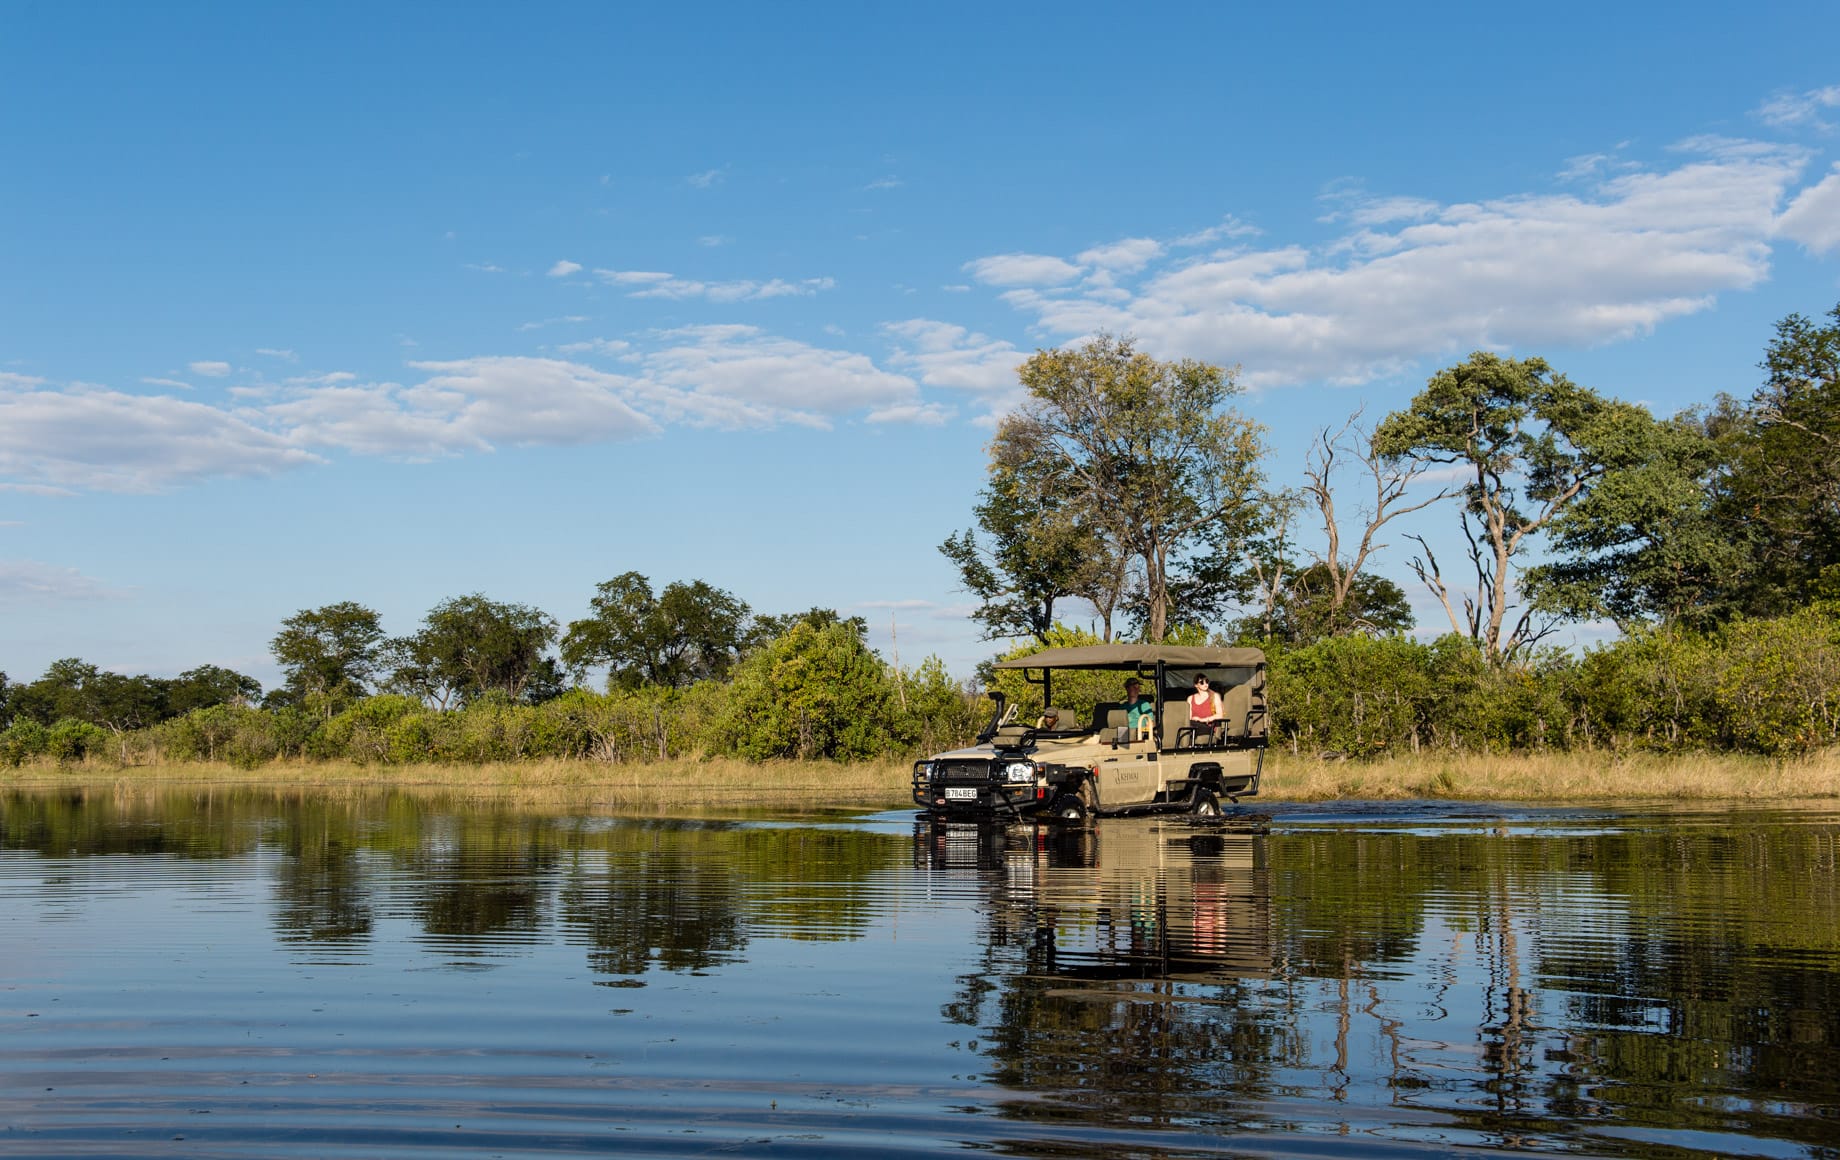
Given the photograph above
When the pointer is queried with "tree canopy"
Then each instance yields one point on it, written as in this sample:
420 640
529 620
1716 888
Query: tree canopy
687 633
1133 479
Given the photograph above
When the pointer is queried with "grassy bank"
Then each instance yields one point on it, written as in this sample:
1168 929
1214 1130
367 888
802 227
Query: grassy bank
725 783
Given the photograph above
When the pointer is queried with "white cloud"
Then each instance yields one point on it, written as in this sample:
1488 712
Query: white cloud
211 370
484 267
656 284
615 347
1789 110
284 355
1022 270
1813 218
1127 256
953 358
738 376
1412 280
97 439
467 404
884 183
173 383
565 319
714 240
30 582
1229 227
911 414
706 178
563 268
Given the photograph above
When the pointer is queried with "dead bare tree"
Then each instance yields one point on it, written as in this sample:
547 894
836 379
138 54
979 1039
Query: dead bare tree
1391 478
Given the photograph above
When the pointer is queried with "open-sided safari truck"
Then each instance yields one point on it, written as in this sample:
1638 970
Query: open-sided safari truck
1070 768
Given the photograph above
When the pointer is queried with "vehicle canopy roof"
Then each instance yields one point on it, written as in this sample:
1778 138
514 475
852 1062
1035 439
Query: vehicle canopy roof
1137 656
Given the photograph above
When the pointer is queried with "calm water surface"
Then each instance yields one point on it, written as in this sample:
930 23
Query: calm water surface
250 974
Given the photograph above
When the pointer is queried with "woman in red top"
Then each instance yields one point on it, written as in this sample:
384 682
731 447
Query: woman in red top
1203 707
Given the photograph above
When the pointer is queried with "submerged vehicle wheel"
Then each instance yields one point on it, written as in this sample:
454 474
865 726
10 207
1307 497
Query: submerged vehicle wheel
1203 803
1071 809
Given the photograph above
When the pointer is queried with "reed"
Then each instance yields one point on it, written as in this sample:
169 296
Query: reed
1569 776
692 785
817 786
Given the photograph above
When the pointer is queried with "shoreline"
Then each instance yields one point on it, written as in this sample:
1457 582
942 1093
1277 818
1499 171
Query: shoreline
823 786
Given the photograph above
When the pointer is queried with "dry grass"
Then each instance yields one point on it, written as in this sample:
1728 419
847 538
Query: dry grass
1533 777
675 785
715 785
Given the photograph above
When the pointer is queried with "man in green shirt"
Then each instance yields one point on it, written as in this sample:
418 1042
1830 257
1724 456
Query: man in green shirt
1138 706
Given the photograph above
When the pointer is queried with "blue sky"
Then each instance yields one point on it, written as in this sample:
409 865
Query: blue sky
394 303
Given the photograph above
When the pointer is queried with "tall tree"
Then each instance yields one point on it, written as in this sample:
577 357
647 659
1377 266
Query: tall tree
208 685
687 633
1153 461
1643 544
1529 442
1782 493
469 646
1041 549
329 654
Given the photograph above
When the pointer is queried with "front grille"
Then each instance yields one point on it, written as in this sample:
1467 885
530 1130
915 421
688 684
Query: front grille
964 770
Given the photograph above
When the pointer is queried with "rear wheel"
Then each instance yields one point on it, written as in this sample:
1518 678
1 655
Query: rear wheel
1203 803
1071 808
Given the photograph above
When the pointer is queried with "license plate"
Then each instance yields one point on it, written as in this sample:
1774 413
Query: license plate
961 793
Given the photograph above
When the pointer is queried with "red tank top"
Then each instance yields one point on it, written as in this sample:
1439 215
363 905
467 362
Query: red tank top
1201 706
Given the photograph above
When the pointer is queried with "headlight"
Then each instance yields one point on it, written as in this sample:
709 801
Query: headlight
923 769
1019 771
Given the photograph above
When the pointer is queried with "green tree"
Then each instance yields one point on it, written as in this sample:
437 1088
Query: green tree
1529 442
1782 492
208 685
768 628
1153 461
329 654
470 646
811 693
687 633
1042 548
1643 545
1316 604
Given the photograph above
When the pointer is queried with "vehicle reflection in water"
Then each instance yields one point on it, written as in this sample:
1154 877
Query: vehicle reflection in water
1126 899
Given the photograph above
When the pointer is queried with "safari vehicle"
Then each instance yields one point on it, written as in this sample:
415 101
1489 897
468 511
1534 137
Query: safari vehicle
1071 768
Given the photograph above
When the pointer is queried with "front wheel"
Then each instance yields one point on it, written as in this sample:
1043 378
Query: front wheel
1203 803
1071 809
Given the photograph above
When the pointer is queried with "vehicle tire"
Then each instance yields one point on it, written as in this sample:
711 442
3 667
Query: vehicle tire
1070 809
1203 803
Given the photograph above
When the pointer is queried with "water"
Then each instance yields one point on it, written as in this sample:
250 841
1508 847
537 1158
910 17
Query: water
253 974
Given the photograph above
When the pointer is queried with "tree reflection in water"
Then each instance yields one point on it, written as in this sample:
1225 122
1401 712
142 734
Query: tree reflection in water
1644 986
1675 986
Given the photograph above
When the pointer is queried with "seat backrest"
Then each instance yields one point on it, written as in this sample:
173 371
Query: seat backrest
1175 719
1236 709
1116 718
1102 714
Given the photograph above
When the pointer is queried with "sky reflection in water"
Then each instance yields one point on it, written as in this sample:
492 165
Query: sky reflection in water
244 974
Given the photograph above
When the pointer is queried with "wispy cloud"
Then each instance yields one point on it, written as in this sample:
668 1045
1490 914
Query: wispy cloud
1805 109
283 355
210 370
706 178
31 582
175 384
655 284
1411 279
563 268
1022 270
884 183
97 439
485 267
566 319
